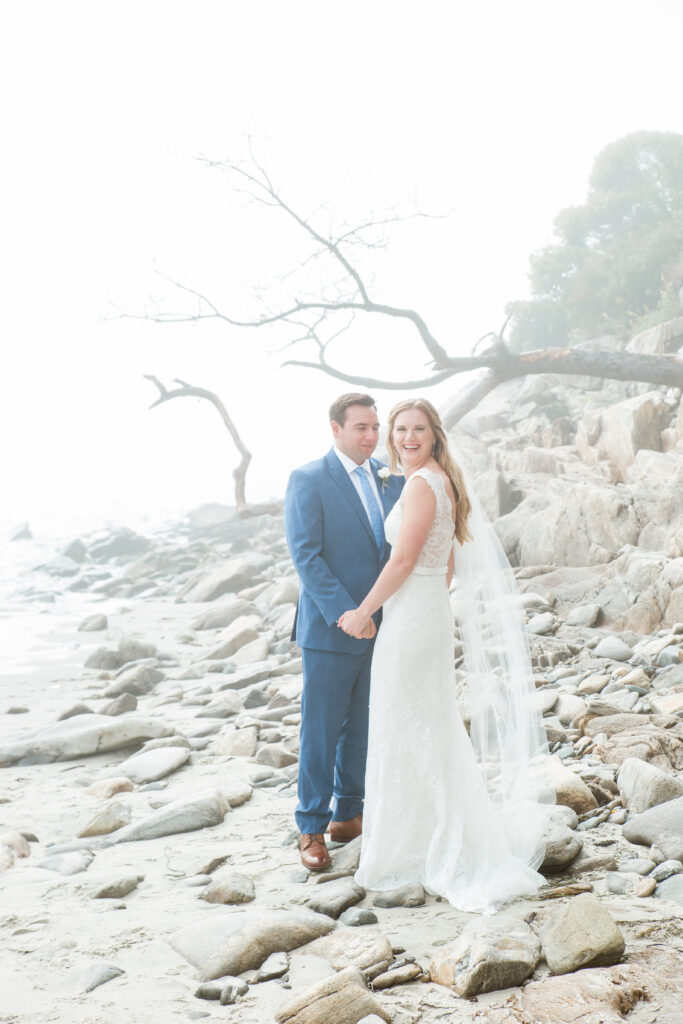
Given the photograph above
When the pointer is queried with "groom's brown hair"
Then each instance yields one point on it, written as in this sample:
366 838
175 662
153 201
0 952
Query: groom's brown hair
341 404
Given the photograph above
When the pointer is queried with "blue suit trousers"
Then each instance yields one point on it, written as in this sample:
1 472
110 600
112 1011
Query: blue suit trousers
334 737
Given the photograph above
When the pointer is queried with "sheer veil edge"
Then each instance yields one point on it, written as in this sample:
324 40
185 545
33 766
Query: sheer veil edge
506 728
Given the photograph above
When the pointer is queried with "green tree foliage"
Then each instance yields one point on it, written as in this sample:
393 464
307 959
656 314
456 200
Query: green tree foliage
617 261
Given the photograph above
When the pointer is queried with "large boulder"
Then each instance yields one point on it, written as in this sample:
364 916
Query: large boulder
186 814
661 825
605 995
642 785
486 956
581 934
341 999
242 941
586 526
623 429
80 736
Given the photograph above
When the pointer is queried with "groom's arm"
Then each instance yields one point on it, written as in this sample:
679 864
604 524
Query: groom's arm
304 530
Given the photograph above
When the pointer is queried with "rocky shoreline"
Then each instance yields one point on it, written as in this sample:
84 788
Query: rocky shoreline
148 856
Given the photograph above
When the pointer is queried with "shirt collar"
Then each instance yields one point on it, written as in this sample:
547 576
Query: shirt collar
349 465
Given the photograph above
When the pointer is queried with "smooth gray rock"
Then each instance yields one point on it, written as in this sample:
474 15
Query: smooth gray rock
349 947
581 934
666 869
222 615
75 709
225 705
93 623
138 680
116 887
276 755
614 648
121 705
620 882
235 574
670 889
345 860
22 531
487 956
215 989
642 785
584 615
543 624
241 941
229 887
562 846
333 898
355 917
243 630
237 742
662 825
187 814
68 863
151 765
99 974
275 966
112 816
80 736
410 895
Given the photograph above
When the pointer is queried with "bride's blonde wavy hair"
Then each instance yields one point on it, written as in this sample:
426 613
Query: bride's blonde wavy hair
443 456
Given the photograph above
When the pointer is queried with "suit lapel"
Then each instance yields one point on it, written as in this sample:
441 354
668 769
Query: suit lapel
341 479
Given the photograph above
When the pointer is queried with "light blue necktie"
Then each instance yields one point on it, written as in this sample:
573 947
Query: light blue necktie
376 520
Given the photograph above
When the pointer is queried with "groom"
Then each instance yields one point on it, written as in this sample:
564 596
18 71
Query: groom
334 520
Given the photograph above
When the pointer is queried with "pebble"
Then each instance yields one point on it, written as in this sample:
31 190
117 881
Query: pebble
354 917
645 887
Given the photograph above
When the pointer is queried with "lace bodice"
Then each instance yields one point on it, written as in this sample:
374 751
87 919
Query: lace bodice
437 547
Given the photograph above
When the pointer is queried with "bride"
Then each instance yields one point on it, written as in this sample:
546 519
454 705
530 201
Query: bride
458 815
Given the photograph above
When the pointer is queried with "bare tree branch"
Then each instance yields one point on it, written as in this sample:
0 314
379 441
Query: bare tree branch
186 390
315 320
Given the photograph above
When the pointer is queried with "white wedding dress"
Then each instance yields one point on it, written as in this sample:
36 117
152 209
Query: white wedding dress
428 817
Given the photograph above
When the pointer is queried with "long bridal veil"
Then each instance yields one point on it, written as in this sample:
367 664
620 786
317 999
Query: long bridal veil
506 729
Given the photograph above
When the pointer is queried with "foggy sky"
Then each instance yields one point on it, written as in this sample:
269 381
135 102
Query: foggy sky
490 113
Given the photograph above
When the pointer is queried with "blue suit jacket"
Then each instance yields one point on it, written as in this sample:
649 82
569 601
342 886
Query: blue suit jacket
333 549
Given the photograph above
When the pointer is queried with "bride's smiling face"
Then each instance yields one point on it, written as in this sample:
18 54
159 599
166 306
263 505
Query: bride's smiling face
413 438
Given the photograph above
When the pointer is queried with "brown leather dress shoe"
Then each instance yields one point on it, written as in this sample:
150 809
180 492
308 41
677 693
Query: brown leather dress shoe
314 855
345 831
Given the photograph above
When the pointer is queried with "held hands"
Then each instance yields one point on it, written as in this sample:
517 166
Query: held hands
355 625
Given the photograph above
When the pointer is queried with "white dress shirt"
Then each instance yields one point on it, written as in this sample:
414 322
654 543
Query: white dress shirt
349 465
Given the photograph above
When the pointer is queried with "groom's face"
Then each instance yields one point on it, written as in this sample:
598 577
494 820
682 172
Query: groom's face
358 435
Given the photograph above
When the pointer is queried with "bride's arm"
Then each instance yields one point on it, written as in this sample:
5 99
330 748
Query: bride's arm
419 508
451 566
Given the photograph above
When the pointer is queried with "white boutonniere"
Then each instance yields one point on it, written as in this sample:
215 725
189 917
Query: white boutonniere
384 473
